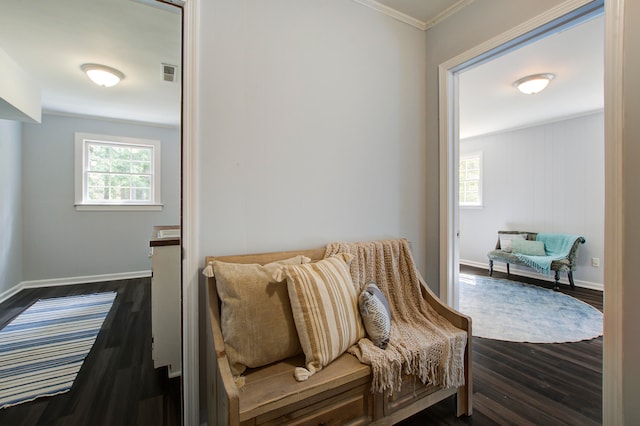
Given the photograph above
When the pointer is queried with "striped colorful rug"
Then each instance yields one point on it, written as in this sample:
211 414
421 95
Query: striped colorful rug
43 348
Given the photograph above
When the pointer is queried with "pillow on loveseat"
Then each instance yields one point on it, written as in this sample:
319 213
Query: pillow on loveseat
529 248
256 320
506 241
324 302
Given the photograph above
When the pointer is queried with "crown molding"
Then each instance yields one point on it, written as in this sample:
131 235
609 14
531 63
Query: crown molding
454 8
402 17
534 124
417 23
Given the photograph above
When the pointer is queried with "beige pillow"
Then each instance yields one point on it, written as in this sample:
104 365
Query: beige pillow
324 302
256 319
506 241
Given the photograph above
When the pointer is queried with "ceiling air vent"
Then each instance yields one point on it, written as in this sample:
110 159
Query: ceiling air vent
169 72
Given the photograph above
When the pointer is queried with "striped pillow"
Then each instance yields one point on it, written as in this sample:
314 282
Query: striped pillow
324 302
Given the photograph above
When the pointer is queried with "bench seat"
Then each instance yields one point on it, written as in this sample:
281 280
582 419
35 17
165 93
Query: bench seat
271 392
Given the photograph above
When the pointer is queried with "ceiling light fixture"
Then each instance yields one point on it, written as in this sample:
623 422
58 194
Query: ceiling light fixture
532 84
102 75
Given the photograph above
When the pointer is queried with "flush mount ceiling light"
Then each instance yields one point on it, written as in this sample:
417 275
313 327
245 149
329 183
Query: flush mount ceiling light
102 75
532 84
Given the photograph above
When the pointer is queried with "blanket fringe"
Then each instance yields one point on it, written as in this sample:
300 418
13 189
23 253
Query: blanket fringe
422 343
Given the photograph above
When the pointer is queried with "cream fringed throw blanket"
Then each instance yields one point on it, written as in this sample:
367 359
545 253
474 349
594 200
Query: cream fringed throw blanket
422 343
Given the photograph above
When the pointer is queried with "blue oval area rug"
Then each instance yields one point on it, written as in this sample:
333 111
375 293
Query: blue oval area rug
518 312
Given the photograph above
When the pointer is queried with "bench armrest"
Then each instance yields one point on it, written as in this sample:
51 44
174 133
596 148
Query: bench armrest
464 401
222 392
573 253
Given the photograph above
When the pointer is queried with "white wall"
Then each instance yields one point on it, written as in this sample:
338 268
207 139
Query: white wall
545 178
311 126
10 204
60 242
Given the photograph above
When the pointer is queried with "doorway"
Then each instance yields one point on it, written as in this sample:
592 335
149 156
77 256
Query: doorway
449 74
532 151
614 17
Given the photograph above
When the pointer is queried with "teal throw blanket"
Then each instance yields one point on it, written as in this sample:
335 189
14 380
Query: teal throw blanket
556 246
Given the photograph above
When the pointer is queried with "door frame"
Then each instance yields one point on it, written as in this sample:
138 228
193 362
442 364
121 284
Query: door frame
189 223
564 14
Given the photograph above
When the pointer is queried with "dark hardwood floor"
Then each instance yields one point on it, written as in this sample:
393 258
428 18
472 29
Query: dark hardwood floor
117 384
514 383
530 384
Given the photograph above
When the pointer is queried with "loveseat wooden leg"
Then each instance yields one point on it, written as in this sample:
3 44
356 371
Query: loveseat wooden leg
490 268
570 275
556 287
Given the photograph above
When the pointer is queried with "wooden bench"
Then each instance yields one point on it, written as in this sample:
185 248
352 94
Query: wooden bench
338 394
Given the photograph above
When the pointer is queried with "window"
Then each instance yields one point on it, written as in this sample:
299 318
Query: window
471 180
117 173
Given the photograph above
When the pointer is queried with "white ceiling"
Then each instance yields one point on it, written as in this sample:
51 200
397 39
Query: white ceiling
51 40
489 102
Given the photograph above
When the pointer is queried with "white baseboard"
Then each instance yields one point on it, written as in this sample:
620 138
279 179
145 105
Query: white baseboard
174 374
476 264
72 280
532 274
10 292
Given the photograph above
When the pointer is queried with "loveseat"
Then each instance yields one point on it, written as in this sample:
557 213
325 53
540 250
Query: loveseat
339 393
565 263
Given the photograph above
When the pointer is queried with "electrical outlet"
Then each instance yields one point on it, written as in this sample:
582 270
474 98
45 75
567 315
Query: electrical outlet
595 262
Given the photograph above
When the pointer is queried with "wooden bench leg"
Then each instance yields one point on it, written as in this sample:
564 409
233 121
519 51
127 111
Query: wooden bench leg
570 275
508 271
556 287
490 268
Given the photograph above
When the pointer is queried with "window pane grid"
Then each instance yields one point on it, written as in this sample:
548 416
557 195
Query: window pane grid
469 180
117 173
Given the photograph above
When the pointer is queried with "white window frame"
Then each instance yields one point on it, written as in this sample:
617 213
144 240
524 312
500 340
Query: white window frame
82 204
479 204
